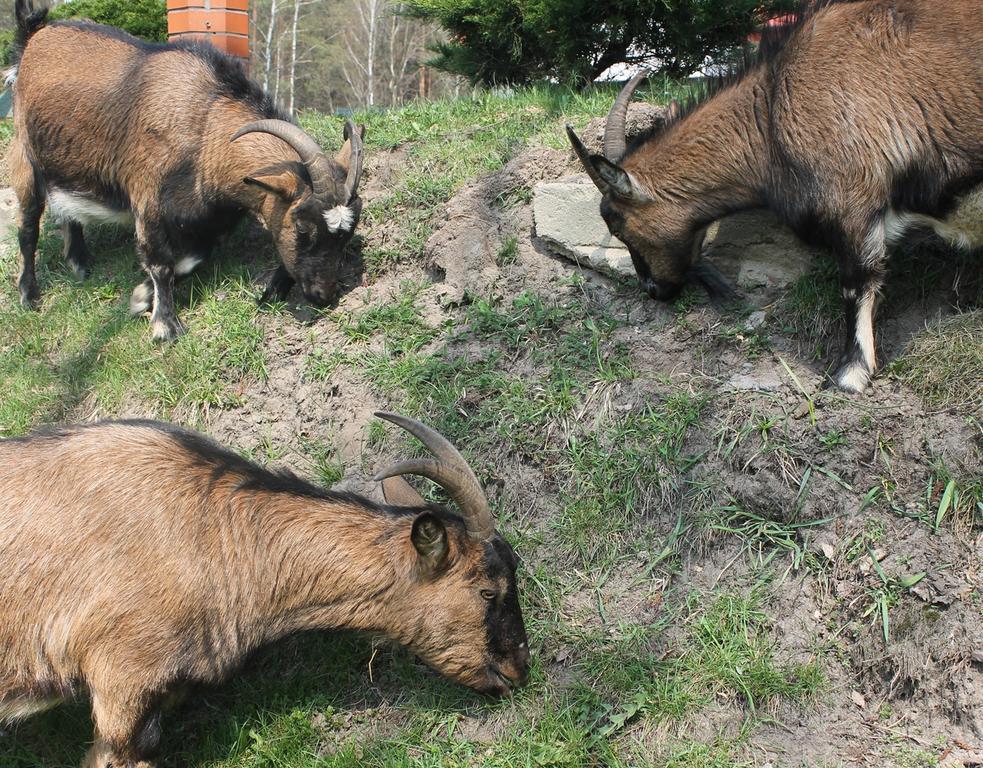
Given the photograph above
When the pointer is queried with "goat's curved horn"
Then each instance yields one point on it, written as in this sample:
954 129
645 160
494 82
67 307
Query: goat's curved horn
310 153
615 140
585 160
353 135
449 470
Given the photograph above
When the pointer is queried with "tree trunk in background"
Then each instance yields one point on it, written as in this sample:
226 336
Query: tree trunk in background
276 85
403 45
373 10
269 46
361 44
345 53
293 56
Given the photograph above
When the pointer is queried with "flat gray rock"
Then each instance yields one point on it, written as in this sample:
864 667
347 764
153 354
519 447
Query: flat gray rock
566 216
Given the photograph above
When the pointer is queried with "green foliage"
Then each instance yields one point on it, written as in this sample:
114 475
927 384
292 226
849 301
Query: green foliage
143 18
6 48
522 41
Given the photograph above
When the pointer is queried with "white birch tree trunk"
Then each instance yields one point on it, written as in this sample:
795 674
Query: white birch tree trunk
267 64
293 57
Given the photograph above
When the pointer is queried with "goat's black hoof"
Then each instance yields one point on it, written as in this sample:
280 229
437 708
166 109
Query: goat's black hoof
79 270
30 297
164 331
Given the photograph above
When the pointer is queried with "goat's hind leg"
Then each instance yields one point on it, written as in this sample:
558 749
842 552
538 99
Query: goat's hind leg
29 188
76 251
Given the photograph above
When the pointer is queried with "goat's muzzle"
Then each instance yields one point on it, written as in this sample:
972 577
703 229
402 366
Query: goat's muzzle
503 679
661 290
318 296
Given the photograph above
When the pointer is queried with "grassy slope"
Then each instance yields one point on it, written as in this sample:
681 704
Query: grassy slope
629 669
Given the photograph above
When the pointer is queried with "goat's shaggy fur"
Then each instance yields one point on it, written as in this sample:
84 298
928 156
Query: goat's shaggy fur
108 127
863 119
139 556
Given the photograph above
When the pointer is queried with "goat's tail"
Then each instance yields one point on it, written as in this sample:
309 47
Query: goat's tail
29 21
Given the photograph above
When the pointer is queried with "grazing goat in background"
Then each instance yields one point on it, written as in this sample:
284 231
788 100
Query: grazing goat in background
864 119
139 556
176 139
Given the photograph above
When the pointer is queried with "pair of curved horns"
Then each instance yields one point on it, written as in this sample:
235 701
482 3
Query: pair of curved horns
449 470
311 155
615 141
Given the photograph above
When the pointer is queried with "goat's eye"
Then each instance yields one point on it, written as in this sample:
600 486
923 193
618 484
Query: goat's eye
488 595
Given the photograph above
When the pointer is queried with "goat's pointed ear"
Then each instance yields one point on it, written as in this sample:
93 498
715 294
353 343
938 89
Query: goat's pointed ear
344 156
429 537
617 179
285 184
400 493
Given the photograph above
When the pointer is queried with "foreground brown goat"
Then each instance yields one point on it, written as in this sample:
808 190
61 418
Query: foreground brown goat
176 140
862 121
139 556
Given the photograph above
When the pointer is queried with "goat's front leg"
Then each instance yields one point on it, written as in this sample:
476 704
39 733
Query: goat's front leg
142 298
103 755
126 732
158 260
861 277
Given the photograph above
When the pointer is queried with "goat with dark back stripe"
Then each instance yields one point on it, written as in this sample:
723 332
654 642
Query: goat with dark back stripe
176 139
859 122
139 556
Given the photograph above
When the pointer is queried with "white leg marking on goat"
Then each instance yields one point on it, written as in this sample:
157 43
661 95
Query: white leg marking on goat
141 299
159 331
853 378
865 328
187 265
10 77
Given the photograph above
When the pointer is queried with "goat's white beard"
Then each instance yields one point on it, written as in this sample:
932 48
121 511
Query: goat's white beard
340 217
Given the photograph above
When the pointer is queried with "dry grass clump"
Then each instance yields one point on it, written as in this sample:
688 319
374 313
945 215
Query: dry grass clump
944 363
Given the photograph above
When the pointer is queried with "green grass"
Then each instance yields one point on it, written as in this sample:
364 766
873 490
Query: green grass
812 310
81 353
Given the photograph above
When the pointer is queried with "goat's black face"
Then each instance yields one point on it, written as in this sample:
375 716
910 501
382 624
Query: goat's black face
508 647
471 625
312 244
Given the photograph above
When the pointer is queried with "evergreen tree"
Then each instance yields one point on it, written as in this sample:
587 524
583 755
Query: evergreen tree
574 41
143 18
